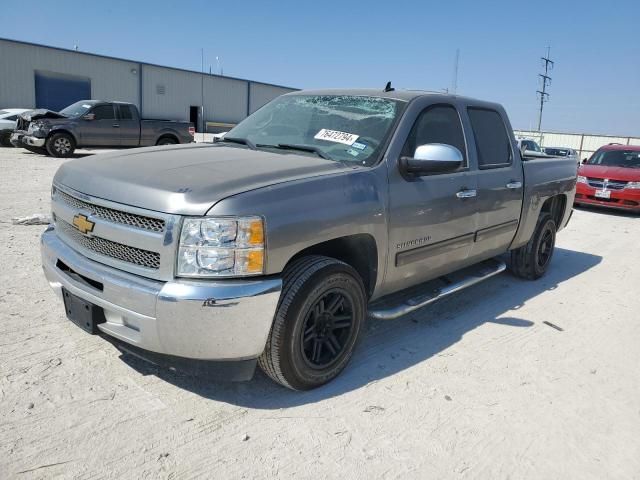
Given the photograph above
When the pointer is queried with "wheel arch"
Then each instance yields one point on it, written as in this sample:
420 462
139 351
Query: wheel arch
63 130
360 251
556 206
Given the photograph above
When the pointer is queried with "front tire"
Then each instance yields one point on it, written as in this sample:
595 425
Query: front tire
321 311
532 260
60 145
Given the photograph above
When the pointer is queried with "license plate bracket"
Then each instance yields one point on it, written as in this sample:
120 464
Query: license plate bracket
84 314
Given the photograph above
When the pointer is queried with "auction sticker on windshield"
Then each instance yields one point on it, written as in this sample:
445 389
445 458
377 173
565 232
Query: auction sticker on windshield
336 136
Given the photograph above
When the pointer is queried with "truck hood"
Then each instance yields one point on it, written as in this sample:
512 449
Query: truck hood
612 173
186 179
39 114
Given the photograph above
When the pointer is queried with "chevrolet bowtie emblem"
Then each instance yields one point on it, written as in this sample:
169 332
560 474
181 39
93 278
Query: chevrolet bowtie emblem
83 224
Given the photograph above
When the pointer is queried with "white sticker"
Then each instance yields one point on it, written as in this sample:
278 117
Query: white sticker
359 146
336 136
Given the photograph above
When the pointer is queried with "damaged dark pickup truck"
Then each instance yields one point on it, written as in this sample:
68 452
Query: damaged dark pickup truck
94 123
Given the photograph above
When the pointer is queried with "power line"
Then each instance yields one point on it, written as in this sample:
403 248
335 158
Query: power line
546 80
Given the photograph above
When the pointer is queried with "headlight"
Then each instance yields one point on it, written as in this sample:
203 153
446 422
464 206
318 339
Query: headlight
582 179
633 185
36 128
221 247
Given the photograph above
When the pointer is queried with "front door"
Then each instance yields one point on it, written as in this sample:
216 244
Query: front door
500 183
103 130
431 218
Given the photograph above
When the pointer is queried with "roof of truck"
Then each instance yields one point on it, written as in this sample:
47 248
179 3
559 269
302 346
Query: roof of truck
403 95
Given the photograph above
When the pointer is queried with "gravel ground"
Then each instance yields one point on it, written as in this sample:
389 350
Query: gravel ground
476 386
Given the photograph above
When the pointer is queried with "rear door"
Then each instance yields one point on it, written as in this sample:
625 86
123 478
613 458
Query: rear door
103 130
129 126
500 182
431 218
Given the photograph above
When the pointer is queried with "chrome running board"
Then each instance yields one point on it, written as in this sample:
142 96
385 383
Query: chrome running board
381 310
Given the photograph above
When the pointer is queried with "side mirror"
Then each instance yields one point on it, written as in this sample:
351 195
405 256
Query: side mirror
584 160
432 158
89 116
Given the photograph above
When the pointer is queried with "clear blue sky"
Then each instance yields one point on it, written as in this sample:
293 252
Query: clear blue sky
596 46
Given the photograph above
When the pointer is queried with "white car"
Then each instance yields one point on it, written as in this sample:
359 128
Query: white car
8 118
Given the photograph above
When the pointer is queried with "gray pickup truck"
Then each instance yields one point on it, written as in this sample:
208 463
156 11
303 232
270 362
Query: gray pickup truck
94 123
273 245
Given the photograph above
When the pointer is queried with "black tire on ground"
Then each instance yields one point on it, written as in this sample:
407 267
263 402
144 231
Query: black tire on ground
321 311
5 140
60 145
166 141
38 150
532 260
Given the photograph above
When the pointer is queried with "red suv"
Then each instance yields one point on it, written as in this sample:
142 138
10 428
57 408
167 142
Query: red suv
611 178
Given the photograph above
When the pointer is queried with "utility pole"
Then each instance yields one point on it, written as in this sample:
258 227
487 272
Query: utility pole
454 88
202 88
546 80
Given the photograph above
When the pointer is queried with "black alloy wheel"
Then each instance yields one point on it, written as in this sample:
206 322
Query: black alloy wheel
327 329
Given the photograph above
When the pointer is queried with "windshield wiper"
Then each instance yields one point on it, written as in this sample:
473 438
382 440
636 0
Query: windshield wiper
302 148
241 141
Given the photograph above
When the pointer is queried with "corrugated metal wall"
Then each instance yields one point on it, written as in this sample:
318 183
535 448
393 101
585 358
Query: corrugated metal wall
584 143
110 79
166 92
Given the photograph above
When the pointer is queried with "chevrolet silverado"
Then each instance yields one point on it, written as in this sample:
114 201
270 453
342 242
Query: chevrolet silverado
273 245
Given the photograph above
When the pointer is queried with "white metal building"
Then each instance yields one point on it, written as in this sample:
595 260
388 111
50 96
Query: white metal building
38 76
585 144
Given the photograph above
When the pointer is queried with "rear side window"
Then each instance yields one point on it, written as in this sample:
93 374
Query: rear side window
104 112
125 112
437 124
493 145
11 118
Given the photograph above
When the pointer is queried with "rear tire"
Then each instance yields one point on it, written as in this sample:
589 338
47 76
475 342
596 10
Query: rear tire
166 141
60 145
320 314
532 260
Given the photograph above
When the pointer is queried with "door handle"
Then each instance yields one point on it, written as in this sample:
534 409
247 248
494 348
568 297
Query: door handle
514 185
467 193
115 125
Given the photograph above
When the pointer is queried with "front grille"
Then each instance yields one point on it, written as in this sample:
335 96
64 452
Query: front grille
108 248
611 184
115 216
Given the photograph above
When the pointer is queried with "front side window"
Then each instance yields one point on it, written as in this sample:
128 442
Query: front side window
493 145
346 128
616 158
437 124
104 112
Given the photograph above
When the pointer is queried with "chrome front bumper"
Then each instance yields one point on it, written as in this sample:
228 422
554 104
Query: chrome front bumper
203 320
19 139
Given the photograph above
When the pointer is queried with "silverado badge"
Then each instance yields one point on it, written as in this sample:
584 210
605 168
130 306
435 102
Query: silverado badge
83 224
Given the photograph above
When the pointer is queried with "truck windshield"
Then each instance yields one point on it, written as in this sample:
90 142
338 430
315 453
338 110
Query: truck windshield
336 127
616 158
76 110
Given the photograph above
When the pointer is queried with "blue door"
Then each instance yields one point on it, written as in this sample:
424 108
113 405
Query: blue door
56 91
